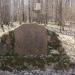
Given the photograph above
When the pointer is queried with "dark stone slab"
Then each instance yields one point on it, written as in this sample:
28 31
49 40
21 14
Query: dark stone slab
31 39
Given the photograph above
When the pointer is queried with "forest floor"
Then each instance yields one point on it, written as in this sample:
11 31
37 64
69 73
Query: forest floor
67 37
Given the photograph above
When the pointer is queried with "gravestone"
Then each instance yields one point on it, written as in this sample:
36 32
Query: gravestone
31 39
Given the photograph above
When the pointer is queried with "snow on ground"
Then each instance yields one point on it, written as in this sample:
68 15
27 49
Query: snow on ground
7 29
68 43
11 27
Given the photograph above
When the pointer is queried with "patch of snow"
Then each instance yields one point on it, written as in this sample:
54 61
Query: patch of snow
68 43
54 52
7 29
10 28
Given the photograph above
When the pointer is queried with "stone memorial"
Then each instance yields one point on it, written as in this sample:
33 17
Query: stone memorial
31 39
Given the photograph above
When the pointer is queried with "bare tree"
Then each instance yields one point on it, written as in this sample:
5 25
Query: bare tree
22 9
60 19
29 10
46 11
5 12
1 25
